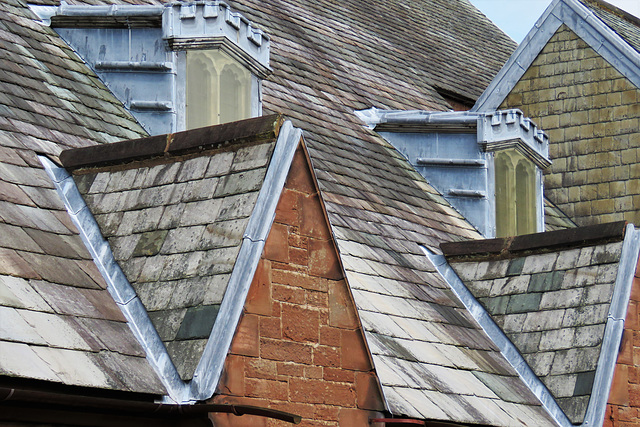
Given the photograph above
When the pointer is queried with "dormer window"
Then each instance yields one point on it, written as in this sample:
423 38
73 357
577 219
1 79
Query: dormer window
488 166
515 184
218 89
176 66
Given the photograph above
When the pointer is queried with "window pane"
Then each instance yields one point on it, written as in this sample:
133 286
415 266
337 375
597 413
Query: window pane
516 211
232 95
218 89
505 190
525 197
201 82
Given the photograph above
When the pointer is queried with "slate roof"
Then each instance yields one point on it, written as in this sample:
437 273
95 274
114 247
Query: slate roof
433 359
360 49
381 210
554 218
57 321
175 225
552 297
624 24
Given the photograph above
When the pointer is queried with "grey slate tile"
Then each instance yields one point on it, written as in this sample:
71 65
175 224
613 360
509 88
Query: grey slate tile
187 355
193 169
167 322
197 322
17 292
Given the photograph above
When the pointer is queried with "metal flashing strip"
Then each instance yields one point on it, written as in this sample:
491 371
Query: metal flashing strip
67 15
613 329
587 26
227 46
209 369
151 105
373 117
451 162
520 60
474 194
610 344
495 333
117 283
133 66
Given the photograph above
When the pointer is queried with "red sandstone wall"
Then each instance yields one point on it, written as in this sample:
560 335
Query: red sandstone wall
623 408
298 347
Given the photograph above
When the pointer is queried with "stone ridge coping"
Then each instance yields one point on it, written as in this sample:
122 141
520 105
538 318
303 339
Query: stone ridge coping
538 242
180 143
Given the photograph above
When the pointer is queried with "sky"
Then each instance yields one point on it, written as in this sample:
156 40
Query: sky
516 17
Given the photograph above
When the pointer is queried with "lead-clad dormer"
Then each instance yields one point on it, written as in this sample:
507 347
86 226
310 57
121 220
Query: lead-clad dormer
175 66
487 165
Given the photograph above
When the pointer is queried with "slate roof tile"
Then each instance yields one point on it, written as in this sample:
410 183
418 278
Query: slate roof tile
553 306
20 359
16 328
78 301
623 23
17 292
46 261
177 245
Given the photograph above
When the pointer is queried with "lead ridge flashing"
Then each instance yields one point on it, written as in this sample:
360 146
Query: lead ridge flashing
495 130
209 369
597 405
579 19
181 23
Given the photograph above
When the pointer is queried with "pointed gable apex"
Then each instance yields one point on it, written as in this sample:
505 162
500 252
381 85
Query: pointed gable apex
190 152
299 345
582 21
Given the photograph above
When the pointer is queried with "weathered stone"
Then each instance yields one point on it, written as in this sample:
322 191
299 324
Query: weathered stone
179 240
197 322
557 339
561 298
515 266
523 303
167 322
193 169
186 355
150 243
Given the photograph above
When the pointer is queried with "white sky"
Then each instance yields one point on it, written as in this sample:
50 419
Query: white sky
516 17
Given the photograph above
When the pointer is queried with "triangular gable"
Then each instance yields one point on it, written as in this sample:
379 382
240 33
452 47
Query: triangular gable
299 346
559 301
227 261
582 21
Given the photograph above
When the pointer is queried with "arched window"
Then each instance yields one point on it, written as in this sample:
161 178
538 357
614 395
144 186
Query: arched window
217 89
525 197
202 81
233 94
515 180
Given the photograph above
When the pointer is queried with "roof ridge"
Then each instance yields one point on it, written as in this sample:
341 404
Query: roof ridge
595 32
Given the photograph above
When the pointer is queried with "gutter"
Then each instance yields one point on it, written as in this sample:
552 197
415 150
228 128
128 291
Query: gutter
32 400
